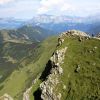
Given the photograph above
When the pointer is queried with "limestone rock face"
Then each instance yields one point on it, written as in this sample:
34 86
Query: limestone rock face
74 32
79 33
58 56
6 97
26 94
48 86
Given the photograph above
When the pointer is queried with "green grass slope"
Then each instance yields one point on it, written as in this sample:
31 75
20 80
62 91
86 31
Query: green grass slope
31 62
83 84
11 55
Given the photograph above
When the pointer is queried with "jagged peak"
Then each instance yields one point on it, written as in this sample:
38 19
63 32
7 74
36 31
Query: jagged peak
74 32
80 34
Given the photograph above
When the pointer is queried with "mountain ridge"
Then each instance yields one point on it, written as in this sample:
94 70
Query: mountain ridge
66 65
26 34
59 83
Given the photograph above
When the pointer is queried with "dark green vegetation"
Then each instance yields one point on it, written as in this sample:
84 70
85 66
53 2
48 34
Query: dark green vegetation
81 71
12 54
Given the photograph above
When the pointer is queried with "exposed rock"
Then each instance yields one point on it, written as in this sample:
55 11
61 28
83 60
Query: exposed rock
6 97
77 69
35 80
60 41
80 39
26 94
98 35
59 96
58 56
82 35
48 87
95 47
64 87
75 32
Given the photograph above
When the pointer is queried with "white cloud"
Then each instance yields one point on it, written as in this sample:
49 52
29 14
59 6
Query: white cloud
5 1
29 8
54 6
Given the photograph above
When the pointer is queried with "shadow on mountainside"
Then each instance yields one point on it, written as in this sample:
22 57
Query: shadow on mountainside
46 71
37 94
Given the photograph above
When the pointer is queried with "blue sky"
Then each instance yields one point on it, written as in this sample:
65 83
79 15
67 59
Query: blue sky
28 8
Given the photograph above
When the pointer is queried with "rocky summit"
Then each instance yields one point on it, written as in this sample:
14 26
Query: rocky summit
75 32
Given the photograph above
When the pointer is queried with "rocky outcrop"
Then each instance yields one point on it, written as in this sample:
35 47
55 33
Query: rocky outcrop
79 33
6 97
75 32
82 36
97 36
60 41
49 85
26 94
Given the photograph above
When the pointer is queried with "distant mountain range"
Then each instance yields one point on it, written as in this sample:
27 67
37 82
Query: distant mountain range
63 23
56 23
56 19
10 23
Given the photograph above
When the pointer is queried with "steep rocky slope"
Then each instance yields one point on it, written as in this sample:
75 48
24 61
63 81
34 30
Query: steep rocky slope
73 71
